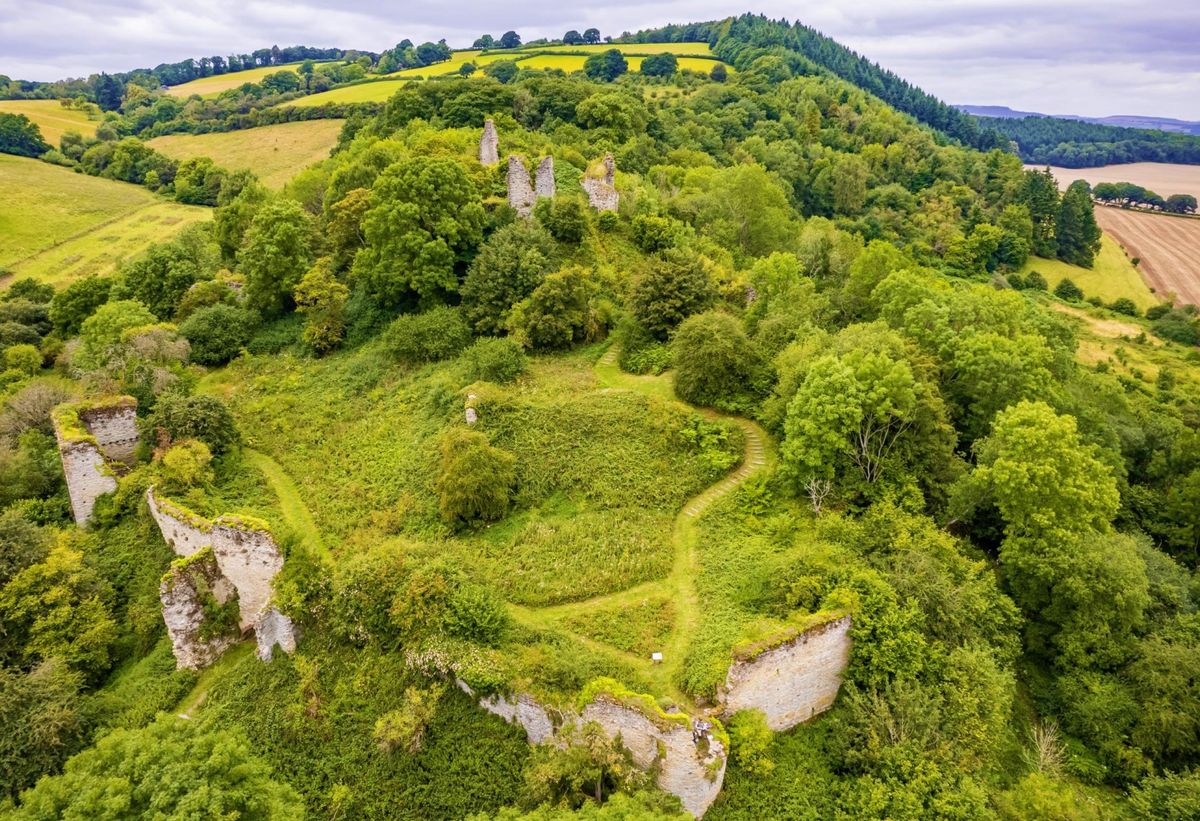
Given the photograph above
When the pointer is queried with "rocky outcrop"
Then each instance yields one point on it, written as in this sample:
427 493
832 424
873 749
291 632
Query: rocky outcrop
245 554
95 440
690 765
793 680
273 629
520 192
543 184
601 190
190 591
524 710
489 144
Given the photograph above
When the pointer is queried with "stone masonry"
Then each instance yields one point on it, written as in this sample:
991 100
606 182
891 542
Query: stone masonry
544 186
246 555
93 438
489 144
520 192
601 191
794 681
182 592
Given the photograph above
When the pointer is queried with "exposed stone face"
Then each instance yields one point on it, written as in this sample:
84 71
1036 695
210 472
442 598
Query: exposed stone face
115 430
273 629
520 192
601 191
489 144
89 438
524 710
543 185
88 477
692 771
245 554
795 681
182 592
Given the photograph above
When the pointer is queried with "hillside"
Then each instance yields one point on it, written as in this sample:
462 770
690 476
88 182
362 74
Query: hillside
1119 120
610 444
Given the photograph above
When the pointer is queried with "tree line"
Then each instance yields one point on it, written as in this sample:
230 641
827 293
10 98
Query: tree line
1129 195
1078 144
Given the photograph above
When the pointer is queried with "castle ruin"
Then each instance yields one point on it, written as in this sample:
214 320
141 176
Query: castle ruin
489 144
97 439
601 190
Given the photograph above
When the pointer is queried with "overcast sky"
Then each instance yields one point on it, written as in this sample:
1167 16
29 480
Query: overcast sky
1090 57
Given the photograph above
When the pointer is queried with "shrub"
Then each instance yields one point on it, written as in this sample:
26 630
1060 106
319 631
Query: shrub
566 218
654 233
496 360
1068 290
78 301
218 333
28 288
195 417
1124 305
1177 327
671 291
608 221
186 465
1157 311
715 363
404 729
202 295
437 334
750 740
1036 282
557 314
476 614
321 297
476 480
14 333
23 358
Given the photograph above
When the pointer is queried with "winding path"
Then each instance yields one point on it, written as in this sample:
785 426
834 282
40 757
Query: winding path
680 585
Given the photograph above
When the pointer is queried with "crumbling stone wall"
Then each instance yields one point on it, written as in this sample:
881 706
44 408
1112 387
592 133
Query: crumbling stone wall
93 438
601 191
544 186
489 144
520 192
794 681
691 770
183 592
246 555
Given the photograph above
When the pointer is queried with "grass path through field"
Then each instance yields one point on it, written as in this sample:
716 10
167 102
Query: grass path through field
680 584
291 504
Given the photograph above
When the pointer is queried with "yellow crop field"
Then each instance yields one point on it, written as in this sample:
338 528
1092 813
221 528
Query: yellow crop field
214 85
374 92
678 49
276 153
574 62
51 118
57 225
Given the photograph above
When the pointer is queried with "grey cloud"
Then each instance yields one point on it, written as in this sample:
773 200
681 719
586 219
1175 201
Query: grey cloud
1091 57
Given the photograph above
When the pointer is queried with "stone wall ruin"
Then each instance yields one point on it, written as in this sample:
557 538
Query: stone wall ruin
96 440
793 681
544 186
246 555
489 144
601 191
183 592
520 192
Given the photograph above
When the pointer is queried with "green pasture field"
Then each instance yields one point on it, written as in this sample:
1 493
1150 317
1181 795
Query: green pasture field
275 153
1113 276
51 118
213 85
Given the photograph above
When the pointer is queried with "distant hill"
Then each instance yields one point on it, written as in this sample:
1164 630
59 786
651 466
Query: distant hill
1119 120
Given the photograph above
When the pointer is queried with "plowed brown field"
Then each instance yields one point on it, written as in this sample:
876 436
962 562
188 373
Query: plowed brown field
1169 248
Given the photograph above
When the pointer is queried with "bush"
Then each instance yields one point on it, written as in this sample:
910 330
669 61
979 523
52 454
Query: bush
1036 282
653 233
496 360
404 729
196 417
557 314
25 359
218 333
1177 327
28 288
78 301
1124 305
566 218
715 363
1157 311
203 295
674 289
476 614
750 740
1068 290
476 480
186 465
429 337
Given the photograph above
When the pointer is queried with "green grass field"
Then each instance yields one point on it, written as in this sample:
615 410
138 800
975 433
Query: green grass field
276 153
51 118
574 62
1113 276
56 225
214 85
679 49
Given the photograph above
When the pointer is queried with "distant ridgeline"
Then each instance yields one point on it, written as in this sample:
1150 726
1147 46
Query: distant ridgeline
740 41
1077 144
